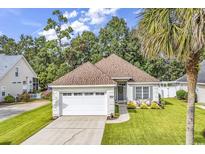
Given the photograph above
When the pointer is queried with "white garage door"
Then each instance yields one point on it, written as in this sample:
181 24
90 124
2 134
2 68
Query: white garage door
89 103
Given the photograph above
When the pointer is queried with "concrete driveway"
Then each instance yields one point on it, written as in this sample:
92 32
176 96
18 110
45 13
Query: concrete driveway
7 111
72 130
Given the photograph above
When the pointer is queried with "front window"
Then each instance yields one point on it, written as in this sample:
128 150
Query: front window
138 92
144 92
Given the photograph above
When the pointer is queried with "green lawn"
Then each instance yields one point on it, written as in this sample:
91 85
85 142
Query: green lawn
17 129
166 126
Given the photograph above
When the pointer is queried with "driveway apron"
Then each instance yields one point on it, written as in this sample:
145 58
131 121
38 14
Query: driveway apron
71 130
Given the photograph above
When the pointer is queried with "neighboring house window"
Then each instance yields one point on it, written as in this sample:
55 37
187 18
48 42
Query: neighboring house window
17 72
144 92
35 84
3 91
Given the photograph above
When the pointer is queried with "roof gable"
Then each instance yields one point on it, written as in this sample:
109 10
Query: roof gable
7 62
85 74
201 74
114 66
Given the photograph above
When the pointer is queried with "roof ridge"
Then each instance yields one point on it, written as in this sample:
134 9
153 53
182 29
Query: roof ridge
104 73
135 67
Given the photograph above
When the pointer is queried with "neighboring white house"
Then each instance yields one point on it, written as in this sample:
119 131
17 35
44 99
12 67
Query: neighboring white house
169 89
93 89
16 76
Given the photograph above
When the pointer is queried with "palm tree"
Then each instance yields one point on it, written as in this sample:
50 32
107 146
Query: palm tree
176 34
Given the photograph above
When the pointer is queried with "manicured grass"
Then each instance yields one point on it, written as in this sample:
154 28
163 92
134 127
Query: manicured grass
149 126
17 129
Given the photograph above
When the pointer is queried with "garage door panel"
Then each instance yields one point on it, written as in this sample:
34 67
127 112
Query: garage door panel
84 105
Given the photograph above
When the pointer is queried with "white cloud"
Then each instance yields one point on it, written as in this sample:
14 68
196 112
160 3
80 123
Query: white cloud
50 34
65 26
1 33
31 23
98 16
69 15
79 27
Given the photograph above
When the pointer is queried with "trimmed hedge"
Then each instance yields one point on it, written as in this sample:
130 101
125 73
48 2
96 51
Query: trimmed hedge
9 99
144 106
131 105
181 95
154 105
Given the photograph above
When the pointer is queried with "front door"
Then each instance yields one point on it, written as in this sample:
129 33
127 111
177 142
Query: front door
121 91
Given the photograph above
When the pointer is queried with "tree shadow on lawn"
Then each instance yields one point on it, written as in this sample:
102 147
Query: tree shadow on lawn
5 143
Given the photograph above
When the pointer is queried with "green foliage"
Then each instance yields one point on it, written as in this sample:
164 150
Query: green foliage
144 106
181 94
9 99
17 129
25 97
131 105
52 59
154 105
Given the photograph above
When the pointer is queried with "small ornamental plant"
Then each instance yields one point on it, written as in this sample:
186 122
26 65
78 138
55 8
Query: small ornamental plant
154 105
131 105
181 94
144 106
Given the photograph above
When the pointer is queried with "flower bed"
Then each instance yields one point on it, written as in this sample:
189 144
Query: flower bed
145 104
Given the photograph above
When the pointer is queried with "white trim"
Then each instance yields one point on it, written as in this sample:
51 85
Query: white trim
77 86
121 78
199 83
143 83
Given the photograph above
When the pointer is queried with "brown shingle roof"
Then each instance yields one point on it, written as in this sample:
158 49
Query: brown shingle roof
86 74
115 66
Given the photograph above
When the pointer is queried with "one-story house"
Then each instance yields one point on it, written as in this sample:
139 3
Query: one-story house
16 76
169 89
93 89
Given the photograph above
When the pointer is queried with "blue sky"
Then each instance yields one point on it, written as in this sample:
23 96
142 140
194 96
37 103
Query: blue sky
15 22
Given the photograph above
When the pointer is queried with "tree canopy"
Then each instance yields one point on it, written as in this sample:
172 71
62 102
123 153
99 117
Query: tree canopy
53 58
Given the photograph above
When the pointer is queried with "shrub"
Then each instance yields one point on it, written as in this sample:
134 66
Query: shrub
9 99
144 106
131 105
154 105
181 94
25 97
47 95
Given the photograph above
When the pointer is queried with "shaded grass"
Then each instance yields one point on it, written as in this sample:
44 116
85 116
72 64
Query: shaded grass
117 113
17 129
158 127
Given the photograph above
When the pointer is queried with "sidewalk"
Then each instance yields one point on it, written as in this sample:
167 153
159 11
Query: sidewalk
124 115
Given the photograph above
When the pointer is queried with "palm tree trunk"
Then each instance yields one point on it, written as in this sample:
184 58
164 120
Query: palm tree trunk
192 75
